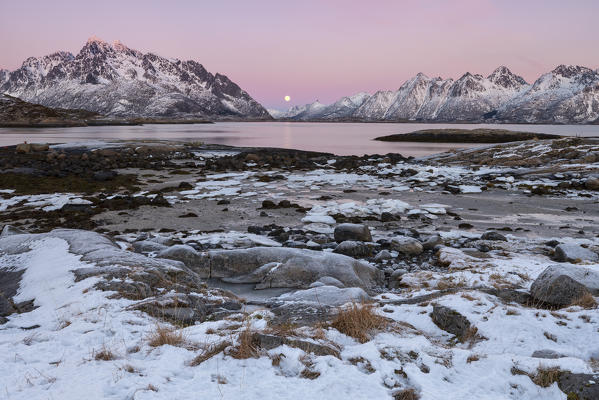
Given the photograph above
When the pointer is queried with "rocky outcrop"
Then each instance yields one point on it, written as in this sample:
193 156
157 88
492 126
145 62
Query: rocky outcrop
450 321
571 252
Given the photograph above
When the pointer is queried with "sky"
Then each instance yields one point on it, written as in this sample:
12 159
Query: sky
317 49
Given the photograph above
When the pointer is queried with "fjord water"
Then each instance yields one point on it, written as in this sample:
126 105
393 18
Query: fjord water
337 138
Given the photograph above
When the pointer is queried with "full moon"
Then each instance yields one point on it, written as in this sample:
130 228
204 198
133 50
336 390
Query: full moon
287 98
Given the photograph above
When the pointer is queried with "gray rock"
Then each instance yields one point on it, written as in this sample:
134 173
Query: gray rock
285 267
586 276
450 321
330 281
355 249
579 386
491 235
383 255
570 252
557 290
147 246
407 245
181 252
357 232
432 242
592 184
326 295
546 353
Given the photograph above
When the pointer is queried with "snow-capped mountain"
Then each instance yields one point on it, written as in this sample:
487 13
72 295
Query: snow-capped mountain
568 94
115 80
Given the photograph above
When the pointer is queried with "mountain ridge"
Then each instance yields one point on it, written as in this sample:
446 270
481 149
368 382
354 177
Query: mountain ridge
117 81
567 94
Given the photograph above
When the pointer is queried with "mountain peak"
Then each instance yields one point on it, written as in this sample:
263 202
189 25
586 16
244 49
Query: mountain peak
502 76
568 71
95 39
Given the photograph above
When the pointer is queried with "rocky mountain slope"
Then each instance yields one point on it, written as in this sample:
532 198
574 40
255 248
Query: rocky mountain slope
568 94
16 113
115 80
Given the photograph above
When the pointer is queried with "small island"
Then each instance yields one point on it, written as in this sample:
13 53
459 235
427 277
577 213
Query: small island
481 135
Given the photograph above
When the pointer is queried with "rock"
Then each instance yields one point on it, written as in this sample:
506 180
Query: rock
570 252
407 245
432 242
181 252
327 295
354 249
146 246
579 386
23 148
557 290
269 342
6 307
592 184
357 232
493 236
268 204
102 176
285 267
548 354
450 321
383 255
40 147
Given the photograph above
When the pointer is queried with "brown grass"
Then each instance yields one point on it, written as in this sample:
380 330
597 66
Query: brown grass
163 334
585 301
246 348
472 358
104 354
359 321
209 352
545 376
406 394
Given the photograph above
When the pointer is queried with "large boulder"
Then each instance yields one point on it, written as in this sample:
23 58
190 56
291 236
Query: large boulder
450 321
283 267
181 252
570 252
561 285
355 249
592 184
494 236
357 232
407 245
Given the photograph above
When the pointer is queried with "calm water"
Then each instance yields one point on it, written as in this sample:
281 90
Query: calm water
338 138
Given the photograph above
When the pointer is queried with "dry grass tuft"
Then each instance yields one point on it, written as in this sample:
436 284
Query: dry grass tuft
545 376
585 301
472 358
246 347
359 321
163 334
104 354
209 352
406 394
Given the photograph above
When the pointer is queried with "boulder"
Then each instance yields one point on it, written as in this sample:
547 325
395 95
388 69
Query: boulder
560 287
269 342
181 252
354 249
284 267
491 235
579 386
547 354
357 232
407 245
571 252
326 295
40 147
432 242
450 321
23 148
382 256
592 184
147 246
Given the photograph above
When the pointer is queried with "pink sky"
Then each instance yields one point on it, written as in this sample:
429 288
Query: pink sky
317 49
